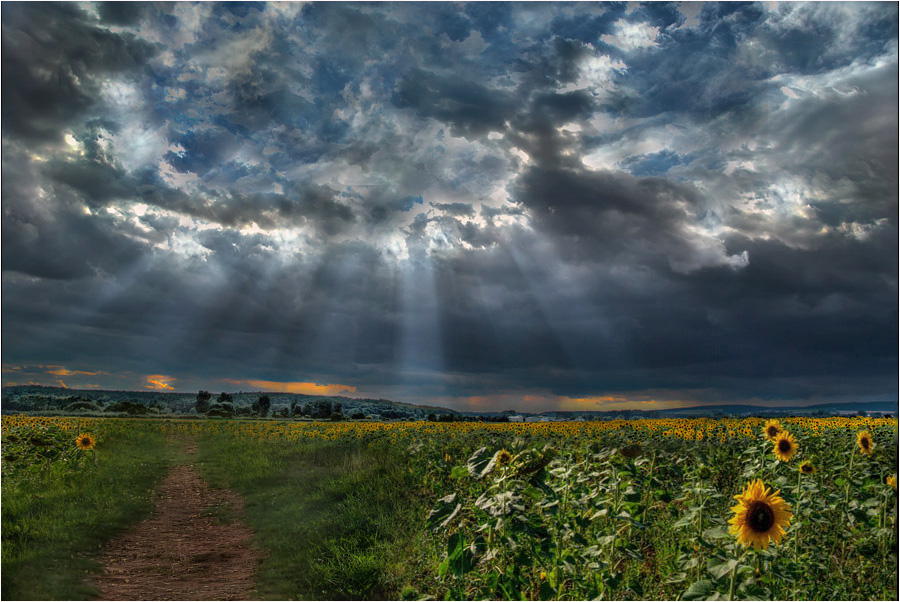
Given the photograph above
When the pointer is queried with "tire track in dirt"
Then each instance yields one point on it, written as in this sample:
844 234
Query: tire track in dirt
185 551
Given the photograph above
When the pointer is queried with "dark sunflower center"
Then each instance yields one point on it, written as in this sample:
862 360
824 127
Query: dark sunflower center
807 468
784 446
864 442
760 517
773 430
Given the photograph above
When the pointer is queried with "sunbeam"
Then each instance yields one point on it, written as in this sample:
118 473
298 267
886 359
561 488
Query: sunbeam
420 361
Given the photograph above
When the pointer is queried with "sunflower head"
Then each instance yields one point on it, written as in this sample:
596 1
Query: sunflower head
760 516
892 481
785 446
503 457
85 441
865 443
806 467
772 428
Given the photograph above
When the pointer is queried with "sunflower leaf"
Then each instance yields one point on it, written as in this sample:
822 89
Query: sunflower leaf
459 472
699 590
445 510
480 463
721 569
715 533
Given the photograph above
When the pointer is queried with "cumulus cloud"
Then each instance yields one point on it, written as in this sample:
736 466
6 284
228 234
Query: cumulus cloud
473 203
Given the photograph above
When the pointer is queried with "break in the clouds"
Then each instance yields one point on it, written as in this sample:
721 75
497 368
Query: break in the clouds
485 205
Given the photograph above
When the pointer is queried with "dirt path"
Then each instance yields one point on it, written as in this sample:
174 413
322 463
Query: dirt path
193 547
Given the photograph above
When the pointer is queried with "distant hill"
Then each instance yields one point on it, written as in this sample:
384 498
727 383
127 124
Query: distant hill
827 408
57 399
723 409
41 398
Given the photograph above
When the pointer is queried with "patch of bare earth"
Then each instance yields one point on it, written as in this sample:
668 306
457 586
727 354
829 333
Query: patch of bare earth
194 547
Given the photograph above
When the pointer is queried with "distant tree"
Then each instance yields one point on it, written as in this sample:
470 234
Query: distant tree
357 416
320 408
432 418
262 405
203 401
128 407
224 398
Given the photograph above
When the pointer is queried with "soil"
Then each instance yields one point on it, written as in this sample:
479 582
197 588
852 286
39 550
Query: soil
194 547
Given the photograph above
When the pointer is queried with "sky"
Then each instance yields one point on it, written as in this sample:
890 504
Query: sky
485 206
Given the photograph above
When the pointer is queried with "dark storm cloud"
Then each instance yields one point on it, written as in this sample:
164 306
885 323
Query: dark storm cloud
469 108
620 218
436 201
121 13
46 232
54 60
456 209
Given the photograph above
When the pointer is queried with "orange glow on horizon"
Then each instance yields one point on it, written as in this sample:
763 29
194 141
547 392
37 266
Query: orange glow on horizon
294 387
605 403
62 371
548 402
159 382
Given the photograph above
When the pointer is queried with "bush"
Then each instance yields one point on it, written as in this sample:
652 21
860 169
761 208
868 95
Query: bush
128 407
221 409
83 406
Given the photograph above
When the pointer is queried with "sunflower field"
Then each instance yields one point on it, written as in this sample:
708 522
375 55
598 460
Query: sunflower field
802 509
797 508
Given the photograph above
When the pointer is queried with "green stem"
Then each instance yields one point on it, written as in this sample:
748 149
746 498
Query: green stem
797 508
731 584
700 521
849 476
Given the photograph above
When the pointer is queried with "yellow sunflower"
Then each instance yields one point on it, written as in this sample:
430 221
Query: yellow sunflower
760 516
772 428
85 441
892 481
865 443
785 446
503 457
806 467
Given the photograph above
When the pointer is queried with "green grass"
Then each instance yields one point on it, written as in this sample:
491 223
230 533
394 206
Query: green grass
347 516
334 522
55 523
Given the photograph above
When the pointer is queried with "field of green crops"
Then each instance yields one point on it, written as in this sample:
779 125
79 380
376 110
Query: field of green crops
657 509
